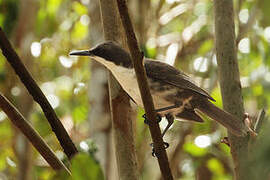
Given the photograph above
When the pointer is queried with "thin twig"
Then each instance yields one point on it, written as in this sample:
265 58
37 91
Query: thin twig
243 29
137 59
19 121
259 121
176 155
32 87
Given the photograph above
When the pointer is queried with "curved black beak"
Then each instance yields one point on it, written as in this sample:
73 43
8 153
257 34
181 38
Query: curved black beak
81 53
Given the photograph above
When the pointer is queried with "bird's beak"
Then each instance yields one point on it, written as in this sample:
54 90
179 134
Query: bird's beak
81 53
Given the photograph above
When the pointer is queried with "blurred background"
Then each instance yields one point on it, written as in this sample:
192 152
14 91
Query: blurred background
180 32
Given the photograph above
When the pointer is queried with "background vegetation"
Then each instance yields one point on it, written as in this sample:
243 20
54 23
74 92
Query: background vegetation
181 32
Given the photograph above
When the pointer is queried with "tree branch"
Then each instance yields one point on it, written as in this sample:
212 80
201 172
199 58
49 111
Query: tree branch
137 59
230 81
123 116
259 121
41 146
37 94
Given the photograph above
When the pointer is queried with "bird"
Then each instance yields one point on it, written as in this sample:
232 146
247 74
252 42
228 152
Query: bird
174 94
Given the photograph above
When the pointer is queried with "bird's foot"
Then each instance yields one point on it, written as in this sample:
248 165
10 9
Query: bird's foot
166 145
226 141
248 122
146 121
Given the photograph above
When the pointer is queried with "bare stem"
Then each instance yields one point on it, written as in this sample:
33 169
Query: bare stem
137 58
230 81
32 87
19 121
122 115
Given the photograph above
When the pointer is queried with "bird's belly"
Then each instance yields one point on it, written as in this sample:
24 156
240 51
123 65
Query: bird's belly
127 80
161 94
160 100
130 85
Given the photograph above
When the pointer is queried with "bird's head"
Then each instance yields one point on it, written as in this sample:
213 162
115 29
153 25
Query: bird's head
107 53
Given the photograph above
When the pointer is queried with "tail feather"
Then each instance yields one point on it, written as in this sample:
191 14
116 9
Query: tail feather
232 123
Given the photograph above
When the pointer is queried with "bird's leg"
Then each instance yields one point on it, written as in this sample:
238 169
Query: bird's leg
170 120
168 108
146 120
160 110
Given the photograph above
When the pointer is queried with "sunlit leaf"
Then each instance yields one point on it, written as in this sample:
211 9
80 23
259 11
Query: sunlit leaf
79 114
215 166
79 32
257 90
216 94
52 6
79 8
150 52
194 150
84 167
1 19
225 148
206 47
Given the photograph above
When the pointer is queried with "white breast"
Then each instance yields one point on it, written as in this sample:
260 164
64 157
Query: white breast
126 78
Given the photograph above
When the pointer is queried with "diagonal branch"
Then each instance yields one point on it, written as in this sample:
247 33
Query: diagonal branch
19 121
37 94
137 59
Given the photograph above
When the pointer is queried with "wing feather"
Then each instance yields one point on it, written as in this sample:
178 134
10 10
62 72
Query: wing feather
168 74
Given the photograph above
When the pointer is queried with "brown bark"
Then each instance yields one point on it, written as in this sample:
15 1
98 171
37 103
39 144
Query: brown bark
122 113
203 173
137 59
37 94
230 81
23 36
18 120
176 158
99 115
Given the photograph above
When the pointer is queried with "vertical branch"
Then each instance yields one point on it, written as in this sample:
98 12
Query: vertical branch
23 37
230 80
99 118
137 59
122 116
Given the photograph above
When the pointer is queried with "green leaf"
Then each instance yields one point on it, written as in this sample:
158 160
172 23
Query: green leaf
79 8
194 150
215 166
52 6
84 167
216 94
79 32
257 90
205 47
79 114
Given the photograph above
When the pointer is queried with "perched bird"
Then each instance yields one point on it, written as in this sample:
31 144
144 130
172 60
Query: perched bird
174 94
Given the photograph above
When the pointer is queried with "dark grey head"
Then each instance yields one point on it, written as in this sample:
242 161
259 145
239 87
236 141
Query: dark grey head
110 51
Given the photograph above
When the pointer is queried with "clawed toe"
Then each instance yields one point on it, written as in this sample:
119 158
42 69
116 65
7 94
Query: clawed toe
166 145
146 121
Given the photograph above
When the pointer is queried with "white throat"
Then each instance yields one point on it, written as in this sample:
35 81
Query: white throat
126 77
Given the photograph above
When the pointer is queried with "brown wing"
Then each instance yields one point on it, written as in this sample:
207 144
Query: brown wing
168 74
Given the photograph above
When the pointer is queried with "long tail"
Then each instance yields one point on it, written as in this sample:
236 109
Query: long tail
233 124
